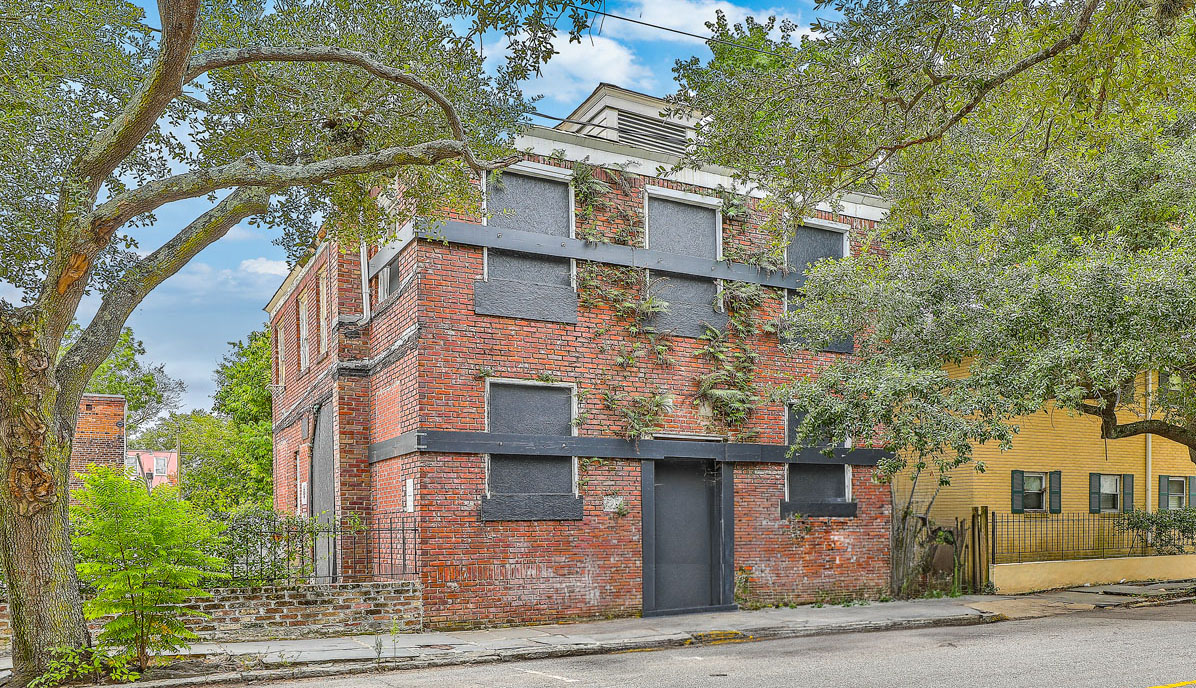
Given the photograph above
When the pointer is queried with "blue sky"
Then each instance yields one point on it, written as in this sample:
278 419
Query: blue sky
187 322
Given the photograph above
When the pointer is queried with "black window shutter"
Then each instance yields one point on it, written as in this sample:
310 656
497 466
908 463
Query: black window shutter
1017 492
1191 491
1164 495
1094 493
1127 492
1055 493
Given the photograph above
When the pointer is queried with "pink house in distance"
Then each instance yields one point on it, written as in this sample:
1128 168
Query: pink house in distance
155 467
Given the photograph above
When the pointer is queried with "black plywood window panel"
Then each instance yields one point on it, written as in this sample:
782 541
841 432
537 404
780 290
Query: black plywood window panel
682 228
524 285
530 410
691 304
793 302
688 230
794 419
810 244
812 482
529 204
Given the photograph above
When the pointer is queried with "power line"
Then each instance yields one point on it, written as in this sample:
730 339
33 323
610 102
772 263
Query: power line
700 37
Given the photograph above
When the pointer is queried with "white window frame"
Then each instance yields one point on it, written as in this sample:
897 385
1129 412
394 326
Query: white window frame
689 198
572 387
1046 492
324 308
1118 493
304 332
542 171
164 462
133 461
1183 495
280 344
818 223
846 482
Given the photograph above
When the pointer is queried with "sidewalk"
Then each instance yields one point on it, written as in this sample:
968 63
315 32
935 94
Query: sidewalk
206 663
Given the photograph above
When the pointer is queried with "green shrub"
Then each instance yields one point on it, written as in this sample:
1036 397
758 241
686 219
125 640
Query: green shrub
1169 532
90 664
145 553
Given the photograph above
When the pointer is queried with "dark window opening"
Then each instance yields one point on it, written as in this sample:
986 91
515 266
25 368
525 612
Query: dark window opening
523 285
530 487
817 482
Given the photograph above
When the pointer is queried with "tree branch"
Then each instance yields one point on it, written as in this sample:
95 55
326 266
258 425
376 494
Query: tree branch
231 57
105 151
985 86
95 343
251 171
1110 429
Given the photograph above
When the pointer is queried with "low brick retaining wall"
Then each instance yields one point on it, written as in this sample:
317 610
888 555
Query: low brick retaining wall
304 611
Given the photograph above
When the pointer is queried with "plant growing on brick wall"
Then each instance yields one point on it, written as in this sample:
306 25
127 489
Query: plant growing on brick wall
642 415
145 553
729 390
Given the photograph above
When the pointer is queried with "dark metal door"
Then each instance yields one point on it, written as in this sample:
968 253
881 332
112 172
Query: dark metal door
687 547
323 496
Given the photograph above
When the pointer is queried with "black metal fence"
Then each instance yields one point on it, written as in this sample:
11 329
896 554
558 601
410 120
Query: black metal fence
1017 538
274 551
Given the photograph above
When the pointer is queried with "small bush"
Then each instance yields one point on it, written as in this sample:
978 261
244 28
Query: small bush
90 664
145 553
1169 532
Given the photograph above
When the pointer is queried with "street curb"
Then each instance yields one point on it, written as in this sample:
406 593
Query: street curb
713 637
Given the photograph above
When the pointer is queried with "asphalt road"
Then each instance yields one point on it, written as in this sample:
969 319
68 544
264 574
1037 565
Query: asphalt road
1115 648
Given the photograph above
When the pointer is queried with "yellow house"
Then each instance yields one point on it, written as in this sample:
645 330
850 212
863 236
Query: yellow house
1060 464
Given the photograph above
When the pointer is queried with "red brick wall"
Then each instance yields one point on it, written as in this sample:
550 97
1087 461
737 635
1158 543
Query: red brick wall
476 573
99 434
788 560
306 611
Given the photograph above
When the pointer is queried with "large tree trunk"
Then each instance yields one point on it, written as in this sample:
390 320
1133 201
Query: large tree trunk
35 546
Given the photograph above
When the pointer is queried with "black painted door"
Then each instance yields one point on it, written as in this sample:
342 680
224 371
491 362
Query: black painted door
687 544
323 496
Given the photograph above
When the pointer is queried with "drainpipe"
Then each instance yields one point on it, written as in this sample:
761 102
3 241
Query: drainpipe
1149 457
365 285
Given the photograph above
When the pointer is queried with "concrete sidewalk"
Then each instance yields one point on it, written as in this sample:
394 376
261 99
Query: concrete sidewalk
207 663
239 662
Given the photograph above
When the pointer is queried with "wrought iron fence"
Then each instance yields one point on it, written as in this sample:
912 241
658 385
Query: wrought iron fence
274 551
1017 538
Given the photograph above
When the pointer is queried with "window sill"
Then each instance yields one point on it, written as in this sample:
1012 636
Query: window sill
819 508
532 507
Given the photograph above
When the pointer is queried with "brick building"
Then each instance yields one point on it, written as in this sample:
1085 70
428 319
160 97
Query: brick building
99 434
567 446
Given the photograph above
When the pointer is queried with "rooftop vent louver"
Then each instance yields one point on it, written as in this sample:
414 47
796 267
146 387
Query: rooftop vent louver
652 133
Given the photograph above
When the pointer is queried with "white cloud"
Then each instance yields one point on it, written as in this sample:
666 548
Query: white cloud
685 15
265 266
254 280
242 233
578 67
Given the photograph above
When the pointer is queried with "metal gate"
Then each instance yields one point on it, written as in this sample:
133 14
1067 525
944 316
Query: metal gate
323 496
685 548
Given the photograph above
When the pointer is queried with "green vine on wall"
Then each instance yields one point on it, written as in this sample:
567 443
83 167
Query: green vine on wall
729 391
643 414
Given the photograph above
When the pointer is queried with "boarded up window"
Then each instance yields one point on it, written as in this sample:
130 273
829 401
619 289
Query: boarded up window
810 482
530 410
688 230
682 228
524 285
794 419
810 245
793 302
